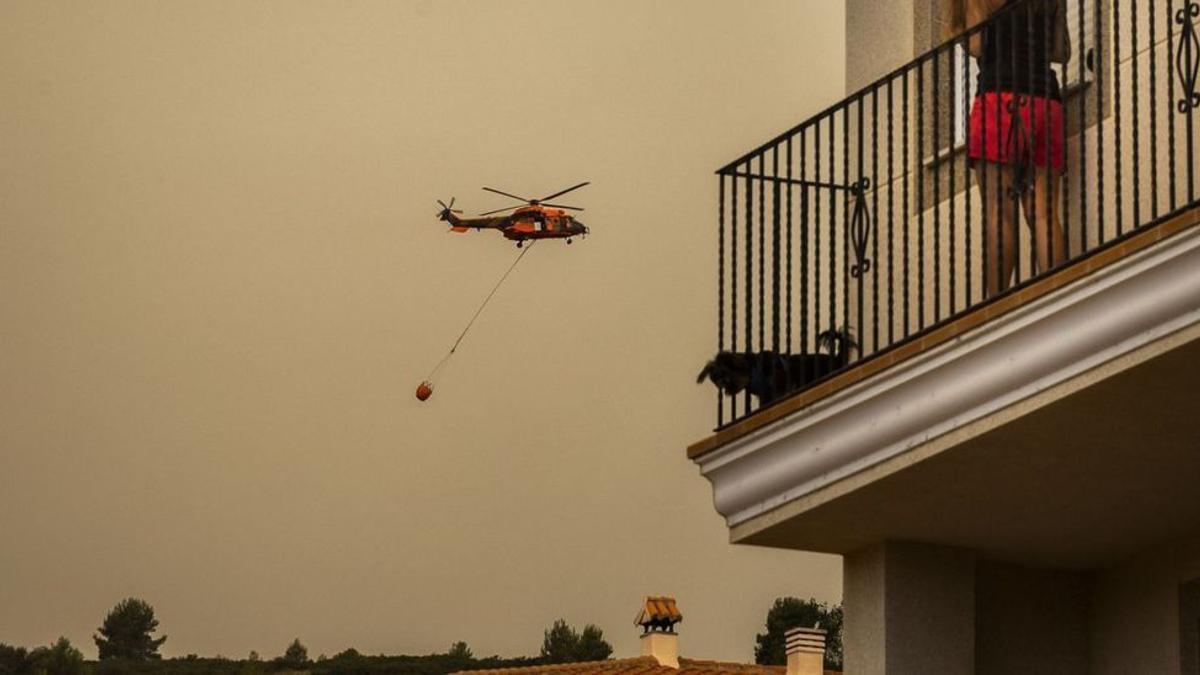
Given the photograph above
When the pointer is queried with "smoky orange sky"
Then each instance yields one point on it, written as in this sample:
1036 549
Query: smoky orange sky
221 279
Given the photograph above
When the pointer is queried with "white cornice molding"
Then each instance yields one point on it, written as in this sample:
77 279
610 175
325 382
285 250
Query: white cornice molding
1110 313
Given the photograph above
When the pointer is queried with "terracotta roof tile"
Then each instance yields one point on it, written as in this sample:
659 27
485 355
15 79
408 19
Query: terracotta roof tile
658 611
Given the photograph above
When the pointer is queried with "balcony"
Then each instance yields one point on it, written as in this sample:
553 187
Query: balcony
887 381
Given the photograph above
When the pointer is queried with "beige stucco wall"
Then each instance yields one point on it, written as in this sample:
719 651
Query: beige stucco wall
864 626
909 610
888 27
1030 621
1135 621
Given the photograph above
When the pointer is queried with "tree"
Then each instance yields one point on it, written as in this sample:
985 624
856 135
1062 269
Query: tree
58 659
770 648
296 654
13 660
126 632
561 644
592 646
460 650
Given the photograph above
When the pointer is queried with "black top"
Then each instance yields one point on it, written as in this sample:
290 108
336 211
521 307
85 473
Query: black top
1017 46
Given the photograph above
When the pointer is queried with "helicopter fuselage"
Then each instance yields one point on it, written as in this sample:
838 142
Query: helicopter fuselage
529 222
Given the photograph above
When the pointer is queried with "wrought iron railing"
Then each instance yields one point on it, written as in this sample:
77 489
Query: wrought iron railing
865 227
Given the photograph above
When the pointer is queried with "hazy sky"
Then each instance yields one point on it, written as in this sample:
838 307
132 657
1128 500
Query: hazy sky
221 279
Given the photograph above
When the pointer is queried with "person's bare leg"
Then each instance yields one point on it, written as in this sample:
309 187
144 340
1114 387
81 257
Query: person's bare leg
1044 220
999 227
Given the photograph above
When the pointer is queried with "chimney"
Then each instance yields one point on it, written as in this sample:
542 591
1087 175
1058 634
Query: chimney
805 651
657 618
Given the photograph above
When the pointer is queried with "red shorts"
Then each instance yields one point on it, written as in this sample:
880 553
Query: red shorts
1038 137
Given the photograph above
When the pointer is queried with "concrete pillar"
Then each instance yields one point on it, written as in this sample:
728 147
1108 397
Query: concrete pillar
909 610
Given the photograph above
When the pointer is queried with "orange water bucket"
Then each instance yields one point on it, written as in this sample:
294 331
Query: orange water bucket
424 390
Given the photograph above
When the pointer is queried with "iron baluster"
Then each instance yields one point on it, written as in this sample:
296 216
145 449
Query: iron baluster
749 275
775 255
920 174
788 263
1118 156
1171 170
833 211
1133 101
803 246
891 152
905 215
937 191
762 245
1083 130
1154 212
875 209
1097 37
721 288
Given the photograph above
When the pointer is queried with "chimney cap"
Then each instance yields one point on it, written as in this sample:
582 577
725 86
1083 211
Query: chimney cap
802 639
658 613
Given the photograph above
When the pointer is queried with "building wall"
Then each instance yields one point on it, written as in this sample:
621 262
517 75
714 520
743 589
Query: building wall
930 610
1136 618
909 610
1030 621
888 28
916 608
1189 627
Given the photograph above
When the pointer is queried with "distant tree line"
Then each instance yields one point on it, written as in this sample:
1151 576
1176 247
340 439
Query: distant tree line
127 646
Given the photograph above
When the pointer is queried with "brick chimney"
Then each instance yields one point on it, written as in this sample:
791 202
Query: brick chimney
657 618
805 651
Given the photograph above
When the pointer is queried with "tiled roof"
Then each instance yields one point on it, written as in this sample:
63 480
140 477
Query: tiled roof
658 611
642 665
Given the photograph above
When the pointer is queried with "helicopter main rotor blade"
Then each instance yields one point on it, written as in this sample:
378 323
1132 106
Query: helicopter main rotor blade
563 192
507 194
560 206
507 208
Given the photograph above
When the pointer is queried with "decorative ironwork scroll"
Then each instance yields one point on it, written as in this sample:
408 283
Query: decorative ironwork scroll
860 228
1187 59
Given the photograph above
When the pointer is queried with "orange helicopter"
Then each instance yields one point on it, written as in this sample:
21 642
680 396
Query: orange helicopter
537 220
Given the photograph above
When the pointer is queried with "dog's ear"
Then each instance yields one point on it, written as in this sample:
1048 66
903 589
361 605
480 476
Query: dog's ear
704 373
827 340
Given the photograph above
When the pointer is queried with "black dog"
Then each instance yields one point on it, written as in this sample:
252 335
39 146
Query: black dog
769 375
